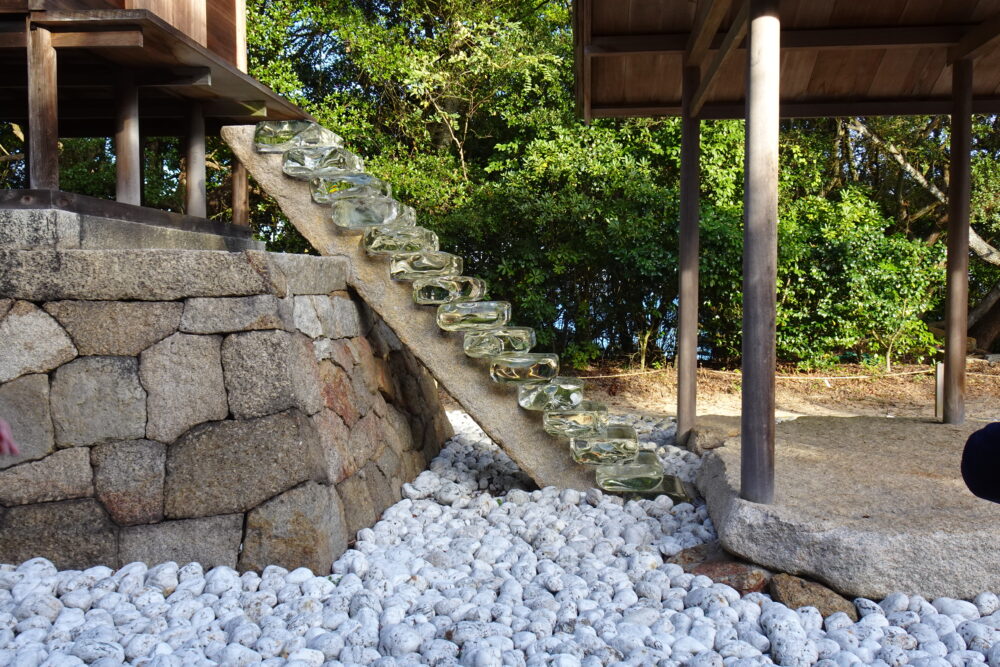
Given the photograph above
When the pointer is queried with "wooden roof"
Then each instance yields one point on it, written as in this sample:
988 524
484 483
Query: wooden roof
170 67
839 57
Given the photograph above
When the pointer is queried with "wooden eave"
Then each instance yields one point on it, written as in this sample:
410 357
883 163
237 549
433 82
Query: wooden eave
95 47
839 57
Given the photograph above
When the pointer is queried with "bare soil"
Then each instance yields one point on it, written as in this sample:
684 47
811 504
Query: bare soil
846 391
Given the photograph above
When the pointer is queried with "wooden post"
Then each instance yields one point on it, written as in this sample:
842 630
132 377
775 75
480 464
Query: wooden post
241 194
128 149
196 194
760 251
959 195
687 315
43 111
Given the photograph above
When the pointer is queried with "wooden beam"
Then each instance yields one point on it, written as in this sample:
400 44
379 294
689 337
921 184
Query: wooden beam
687 315
733 37
109 39
818 109
586 9
760 252
959 195
128 149
13 40
196 196
241 194
43 111
706 24
976 41
822 39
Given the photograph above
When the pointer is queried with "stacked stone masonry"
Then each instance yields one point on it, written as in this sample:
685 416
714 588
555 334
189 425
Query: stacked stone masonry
237 409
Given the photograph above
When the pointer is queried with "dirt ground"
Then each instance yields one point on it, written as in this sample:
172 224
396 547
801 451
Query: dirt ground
908 391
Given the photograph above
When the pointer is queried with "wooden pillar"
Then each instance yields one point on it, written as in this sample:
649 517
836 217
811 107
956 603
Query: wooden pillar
196 201
128 149
687 316
959 195
241 194
760 251
43 111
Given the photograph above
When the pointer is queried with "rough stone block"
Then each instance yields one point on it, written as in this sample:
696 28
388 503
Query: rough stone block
30 229
383 492
366 363
33 342
366 442
309 274
338 316
96 399
270 371
116 328
305 317
234 466
794 592
62 476
303 527
24 403
337 392
128 479
183 375
108 234
211 541
359 508
333 441
225 315
5 306
73 534
140 275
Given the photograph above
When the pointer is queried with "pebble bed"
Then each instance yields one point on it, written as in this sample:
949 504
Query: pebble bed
472 568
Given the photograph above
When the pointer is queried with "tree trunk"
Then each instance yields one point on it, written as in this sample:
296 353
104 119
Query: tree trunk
987 329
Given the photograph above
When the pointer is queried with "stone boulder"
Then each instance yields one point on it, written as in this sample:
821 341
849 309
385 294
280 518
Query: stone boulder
24 403
795 592
73 534
270 371
116 328
225 315
303 527
233 466
211 541
62 476
97 399
128 478
33 342
183 375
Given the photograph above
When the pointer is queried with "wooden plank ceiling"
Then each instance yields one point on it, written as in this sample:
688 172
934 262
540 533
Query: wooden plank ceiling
171 69
839 57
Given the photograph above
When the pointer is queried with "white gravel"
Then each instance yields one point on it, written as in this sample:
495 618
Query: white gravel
471 568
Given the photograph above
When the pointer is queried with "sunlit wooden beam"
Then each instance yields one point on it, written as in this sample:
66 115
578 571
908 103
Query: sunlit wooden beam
737 31
706 24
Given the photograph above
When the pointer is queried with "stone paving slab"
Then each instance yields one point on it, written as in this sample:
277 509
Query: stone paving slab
546 459
867 505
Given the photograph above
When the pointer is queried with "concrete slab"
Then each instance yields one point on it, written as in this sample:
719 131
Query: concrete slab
494 407
867 505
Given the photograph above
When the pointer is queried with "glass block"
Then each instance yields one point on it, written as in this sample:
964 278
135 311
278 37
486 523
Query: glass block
446 289
670 486
320 162
524 367
413 265
278 136
617 443
407 215
348 184
644 473
489 343
393 238
359 212
560 393
473 315
584 419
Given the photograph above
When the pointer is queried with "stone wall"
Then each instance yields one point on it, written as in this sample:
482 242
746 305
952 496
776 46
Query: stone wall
229 408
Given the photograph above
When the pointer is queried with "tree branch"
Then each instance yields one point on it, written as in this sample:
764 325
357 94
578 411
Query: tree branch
985 305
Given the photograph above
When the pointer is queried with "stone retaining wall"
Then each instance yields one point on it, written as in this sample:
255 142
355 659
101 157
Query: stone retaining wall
229 408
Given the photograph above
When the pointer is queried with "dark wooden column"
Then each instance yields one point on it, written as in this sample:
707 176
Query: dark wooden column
959 195
760 251
128 149
687 315
196 194
241 194
43 111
